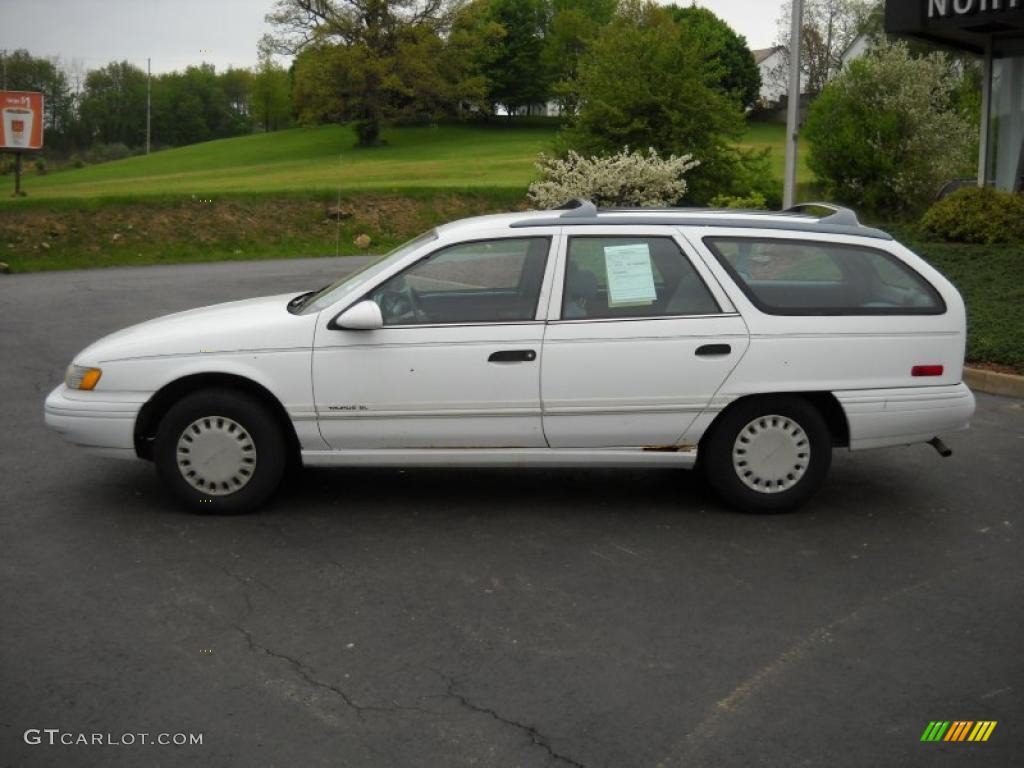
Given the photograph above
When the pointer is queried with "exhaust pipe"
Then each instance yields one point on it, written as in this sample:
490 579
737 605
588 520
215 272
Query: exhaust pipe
940 447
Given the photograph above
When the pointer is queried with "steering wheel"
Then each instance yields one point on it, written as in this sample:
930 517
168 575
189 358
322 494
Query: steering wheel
399 306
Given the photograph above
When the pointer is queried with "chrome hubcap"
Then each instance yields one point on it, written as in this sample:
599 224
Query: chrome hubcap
216 455
771 454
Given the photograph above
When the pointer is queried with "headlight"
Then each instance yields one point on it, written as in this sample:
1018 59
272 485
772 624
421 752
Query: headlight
80 377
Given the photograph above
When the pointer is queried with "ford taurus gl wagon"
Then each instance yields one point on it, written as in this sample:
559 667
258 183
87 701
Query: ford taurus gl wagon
749 345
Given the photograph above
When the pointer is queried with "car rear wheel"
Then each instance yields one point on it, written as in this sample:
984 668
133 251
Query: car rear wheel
768 454
220 451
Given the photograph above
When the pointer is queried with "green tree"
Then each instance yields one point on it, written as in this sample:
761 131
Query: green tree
886 132
574 25
470 49
726 56
178 117
271 95
330 84
113 104
193 105
642 84
237 86
516 75
363 45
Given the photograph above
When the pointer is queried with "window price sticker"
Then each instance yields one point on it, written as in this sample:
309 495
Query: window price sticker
630 275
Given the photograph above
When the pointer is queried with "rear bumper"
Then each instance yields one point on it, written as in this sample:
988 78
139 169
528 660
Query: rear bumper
101 426
884 417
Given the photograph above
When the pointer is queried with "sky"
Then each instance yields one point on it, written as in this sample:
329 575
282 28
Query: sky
176 33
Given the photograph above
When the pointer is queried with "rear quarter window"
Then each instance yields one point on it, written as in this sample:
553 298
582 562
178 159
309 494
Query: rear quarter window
793 277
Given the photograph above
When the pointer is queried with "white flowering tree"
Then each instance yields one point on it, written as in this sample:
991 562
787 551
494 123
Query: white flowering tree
627 179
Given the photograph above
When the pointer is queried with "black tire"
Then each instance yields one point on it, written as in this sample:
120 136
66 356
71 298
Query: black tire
229 416
795 476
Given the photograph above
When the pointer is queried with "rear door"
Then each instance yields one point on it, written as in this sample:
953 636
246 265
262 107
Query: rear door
640 338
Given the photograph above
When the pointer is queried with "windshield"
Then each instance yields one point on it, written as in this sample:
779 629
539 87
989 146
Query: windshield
327 296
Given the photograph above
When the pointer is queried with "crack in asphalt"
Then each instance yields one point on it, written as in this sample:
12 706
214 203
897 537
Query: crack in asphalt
307 673
538 739
245 590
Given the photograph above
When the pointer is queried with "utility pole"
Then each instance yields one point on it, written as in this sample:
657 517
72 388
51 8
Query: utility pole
149 79
793 111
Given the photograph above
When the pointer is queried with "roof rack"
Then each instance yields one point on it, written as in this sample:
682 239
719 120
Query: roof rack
840 215
578 212
577 208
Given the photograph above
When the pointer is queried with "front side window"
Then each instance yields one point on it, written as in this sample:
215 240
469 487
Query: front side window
787 277
631 277
484 281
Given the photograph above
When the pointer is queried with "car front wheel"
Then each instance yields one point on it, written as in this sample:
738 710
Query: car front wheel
768 454
220 451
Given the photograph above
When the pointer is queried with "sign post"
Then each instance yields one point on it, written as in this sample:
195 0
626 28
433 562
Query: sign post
793 106
17 175
21 127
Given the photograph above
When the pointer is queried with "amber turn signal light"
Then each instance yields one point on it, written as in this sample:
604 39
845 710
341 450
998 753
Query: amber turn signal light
80 377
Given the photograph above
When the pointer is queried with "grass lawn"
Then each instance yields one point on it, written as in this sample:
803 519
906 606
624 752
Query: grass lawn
313 159
772 136
322 159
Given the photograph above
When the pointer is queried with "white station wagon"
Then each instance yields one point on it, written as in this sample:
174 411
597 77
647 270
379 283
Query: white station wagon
747 344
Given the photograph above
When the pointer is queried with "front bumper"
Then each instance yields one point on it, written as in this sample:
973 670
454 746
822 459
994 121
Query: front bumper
102 423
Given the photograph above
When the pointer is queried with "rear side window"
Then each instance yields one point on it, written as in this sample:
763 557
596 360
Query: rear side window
789 277
631 277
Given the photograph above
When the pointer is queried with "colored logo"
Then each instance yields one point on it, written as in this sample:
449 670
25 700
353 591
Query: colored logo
958 730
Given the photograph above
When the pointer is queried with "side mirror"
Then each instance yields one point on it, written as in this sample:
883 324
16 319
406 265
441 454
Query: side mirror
364 316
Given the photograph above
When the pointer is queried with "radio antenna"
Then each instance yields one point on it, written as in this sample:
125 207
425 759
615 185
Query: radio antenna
337 214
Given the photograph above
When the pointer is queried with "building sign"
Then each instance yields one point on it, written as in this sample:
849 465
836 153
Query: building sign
21 120
965 25
941 9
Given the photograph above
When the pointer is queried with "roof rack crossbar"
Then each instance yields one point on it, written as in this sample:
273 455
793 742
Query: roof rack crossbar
840 215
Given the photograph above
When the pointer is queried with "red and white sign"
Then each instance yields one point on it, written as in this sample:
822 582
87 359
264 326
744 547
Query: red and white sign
21 120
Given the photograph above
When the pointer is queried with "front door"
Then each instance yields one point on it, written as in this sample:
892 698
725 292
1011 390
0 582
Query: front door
641 343
457 363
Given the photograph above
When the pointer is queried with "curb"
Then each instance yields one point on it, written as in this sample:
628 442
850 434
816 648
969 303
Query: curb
994 383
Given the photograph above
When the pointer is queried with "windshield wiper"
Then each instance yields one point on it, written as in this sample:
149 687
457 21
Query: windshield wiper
297 304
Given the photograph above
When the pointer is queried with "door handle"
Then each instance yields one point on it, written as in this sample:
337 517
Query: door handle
713 350
513 356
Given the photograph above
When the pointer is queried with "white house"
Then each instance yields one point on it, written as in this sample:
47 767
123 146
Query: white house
857 49
771 62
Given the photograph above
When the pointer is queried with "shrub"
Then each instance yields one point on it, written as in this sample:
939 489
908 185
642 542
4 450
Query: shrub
753 202
977 215
40 164
886 133
627 179
739 173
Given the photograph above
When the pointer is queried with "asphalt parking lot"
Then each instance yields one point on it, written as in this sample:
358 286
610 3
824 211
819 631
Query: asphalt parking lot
490 618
